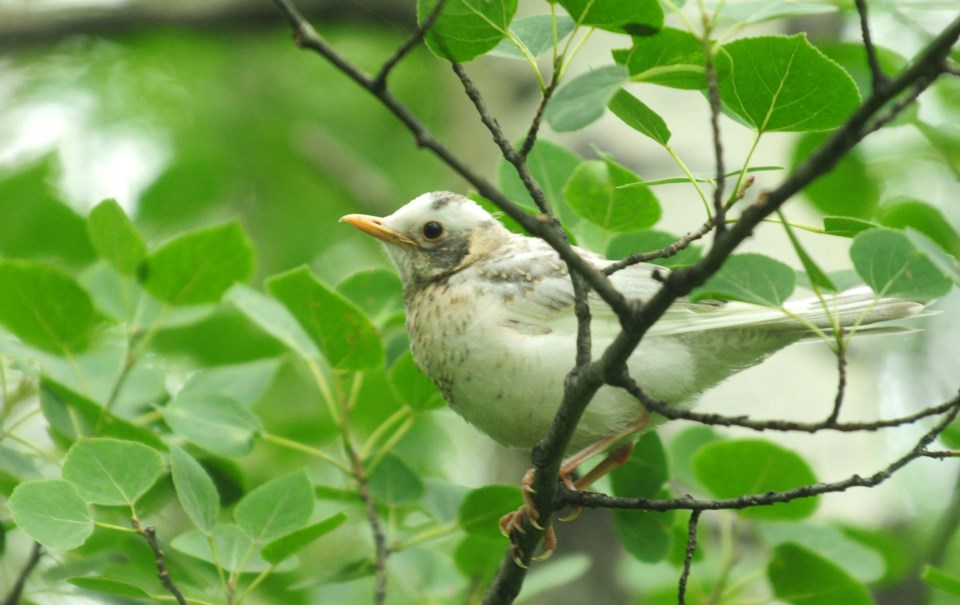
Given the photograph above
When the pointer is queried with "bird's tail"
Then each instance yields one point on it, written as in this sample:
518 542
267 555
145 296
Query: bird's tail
850 309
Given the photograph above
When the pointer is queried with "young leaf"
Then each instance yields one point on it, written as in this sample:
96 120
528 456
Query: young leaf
535 33
752 278
274 318
671 57
941 580
893 266
244 383
594 191
281 548
903 213
377 291
646 535
393 482
801 577
341 330
236 552
52 513
582 100
465 29
637 17
651 240
198 267
66 410
638 116
110 471
481 510
115 238
278 507
213 422
785 84
109 586
845 226
744 467
195 489
45 307
645 472
815 274
412 387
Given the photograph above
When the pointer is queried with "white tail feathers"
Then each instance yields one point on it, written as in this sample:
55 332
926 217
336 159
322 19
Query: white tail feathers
855 307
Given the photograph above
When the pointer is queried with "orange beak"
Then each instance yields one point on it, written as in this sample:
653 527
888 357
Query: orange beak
373 225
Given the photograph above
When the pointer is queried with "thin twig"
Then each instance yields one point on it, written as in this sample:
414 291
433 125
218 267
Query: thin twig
149 533
880 79
666 252
688 556
380 82
534 129
841 381
659 407
595 500
36 552
719 207
380 548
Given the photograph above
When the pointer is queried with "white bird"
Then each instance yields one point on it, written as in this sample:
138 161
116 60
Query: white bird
491 321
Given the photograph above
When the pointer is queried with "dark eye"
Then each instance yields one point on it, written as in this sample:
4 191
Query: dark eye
432 230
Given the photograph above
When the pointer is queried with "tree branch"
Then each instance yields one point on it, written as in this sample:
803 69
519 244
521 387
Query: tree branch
595 500
880 79
380 82
149 534
688 557
719 208
16 591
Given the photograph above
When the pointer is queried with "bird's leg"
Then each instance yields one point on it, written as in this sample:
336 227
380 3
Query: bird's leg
512 523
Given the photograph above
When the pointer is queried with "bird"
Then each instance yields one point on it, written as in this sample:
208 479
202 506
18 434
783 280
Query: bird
490 318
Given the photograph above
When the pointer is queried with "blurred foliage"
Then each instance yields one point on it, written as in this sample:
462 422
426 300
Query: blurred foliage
213 354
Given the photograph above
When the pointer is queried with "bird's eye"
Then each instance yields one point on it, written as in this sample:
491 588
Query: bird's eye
432 230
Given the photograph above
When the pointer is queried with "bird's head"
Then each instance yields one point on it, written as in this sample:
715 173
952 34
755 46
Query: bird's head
434 235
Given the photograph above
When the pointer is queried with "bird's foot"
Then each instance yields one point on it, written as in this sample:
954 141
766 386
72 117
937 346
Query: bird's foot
511 524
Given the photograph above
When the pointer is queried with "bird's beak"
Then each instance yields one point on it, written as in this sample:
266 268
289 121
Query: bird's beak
373 225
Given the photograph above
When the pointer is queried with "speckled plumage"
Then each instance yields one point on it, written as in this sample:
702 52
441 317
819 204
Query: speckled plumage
491 322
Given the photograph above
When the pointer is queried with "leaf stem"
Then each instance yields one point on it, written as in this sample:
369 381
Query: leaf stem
306 449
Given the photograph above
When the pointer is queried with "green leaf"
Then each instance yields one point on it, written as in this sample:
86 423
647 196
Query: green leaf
393 482
278 507
236 552
671 58
274 318
862 562
480 511
550 165
844 226
340 329
890 263
52 513
752 278
412 387
651 240
478 558
646 535
948 265
583 99
785 84
941 580
903 213
213 422
759 11
815 274
465 29
683 447
801 577
638 116
115 238
636 17
195 489
645 472
110 471
536 34
198 267
847 190
244 383
744 467
45 307
109 586
378 292
594 191
66 411
282 548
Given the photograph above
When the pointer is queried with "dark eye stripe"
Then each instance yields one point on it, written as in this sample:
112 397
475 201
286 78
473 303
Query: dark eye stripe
432 230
